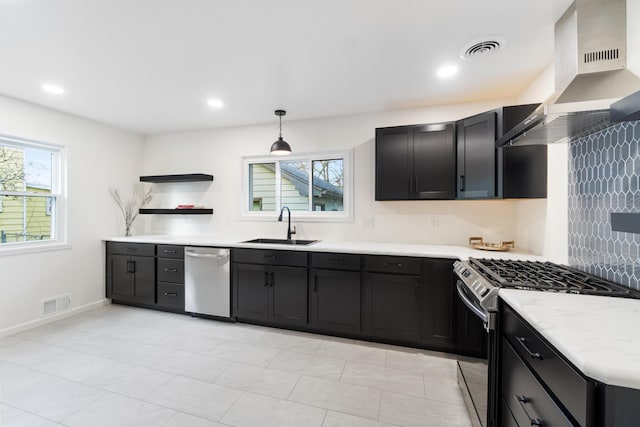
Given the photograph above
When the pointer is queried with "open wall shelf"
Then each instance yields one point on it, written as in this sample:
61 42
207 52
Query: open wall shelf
177 211
188 177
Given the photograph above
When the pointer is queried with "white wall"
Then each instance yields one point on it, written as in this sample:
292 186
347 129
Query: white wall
219 152
99 156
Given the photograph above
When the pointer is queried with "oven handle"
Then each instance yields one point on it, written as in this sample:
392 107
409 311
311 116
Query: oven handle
465 299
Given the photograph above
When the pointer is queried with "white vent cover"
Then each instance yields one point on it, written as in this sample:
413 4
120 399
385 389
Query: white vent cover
55 304
482 47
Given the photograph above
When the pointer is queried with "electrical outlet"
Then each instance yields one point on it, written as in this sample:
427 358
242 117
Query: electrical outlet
367 222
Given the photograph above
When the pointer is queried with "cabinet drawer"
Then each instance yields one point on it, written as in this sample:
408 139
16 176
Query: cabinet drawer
270 257
140 249
569 387
336 261
394 264
525 397
171 295
170 270
170 251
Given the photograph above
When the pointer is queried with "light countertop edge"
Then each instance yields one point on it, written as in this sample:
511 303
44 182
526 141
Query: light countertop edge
599 335
365 248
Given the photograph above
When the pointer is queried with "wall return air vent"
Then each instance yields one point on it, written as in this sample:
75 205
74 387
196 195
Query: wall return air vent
54 305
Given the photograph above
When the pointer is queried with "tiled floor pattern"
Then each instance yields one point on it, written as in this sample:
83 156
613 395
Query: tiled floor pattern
123 366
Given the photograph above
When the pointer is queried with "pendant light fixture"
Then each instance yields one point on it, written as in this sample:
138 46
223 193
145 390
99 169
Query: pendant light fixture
280 147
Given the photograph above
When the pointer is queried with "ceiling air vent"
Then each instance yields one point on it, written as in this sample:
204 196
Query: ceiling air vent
482 48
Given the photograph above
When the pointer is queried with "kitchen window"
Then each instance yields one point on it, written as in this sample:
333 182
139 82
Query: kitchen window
32 214
315 187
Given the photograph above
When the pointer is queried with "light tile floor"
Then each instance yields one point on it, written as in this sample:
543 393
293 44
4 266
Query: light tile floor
124 366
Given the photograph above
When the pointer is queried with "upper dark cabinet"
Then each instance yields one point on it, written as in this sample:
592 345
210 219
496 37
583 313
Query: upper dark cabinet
476 172
524 172
485 172
415 162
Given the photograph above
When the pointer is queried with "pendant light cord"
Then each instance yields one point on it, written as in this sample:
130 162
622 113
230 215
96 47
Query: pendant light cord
280 127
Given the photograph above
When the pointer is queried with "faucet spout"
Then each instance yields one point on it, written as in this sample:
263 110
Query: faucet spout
289 232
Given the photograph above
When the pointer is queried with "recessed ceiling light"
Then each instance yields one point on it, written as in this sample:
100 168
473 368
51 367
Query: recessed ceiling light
215 103
54 89
447 71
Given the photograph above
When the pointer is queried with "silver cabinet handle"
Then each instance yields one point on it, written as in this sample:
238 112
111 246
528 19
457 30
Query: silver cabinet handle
201 255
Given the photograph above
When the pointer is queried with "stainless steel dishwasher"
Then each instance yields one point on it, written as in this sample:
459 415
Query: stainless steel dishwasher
207 289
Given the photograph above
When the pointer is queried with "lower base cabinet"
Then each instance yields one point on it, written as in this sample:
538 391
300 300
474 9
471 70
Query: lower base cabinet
335 301
251 291
131 278
440 304
272 294
393 307
170 296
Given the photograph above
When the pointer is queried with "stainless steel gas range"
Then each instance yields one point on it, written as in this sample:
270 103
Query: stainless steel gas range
478 285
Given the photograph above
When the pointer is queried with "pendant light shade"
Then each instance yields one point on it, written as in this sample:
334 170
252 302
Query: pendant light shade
280 147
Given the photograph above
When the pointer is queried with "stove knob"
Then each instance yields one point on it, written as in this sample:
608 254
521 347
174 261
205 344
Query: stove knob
466 272
484 291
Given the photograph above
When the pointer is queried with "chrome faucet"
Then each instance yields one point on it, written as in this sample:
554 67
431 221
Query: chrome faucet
289 232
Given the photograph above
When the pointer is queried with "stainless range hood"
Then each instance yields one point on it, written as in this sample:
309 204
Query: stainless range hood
590 74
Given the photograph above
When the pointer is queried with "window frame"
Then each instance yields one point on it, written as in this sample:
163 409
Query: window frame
346 215
58 197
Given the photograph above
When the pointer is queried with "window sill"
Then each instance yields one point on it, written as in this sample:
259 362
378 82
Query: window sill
273 216
8 249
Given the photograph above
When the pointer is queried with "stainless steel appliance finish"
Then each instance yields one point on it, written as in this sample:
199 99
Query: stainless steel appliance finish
478 286
207 281
590 74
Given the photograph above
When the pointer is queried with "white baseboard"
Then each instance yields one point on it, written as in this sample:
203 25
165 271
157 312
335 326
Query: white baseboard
43 321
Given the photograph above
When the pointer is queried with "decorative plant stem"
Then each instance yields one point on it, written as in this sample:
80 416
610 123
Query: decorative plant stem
130 208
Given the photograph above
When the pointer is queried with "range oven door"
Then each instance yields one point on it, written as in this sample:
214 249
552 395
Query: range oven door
477 377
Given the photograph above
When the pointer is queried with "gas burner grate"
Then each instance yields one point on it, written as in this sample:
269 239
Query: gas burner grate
547 276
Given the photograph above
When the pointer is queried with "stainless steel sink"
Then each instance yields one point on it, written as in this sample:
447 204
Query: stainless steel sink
282 242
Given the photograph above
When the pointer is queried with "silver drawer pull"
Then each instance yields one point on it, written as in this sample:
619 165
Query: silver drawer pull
523 343
170 294
522 400
171 270
169 251
393 264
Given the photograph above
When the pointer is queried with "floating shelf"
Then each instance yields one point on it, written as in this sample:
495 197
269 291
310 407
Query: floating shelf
188 177
177 211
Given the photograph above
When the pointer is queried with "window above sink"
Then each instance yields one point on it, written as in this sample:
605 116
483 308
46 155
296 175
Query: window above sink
315 186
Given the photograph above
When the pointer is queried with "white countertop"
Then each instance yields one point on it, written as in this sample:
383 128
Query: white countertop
369 248
599 335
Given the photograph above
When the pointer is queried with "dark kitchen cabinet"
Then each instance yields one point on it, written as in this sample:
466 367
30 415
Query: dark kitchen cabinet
267 291
524 171
439 304
476 161
131 272
392 298
170 277
415 162
251 291
546 385
334 295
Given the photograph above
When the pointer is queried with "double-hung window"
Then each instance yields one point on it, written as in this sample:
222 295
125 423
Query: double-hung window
315 187
32 203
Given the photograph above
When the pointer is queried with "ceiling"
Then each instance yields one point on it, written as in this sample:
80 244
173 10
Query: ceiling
150 66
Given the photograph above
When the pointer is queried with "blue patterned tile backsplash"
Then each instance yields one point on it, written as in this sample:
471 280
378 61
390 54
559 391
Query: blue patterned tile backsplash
604 170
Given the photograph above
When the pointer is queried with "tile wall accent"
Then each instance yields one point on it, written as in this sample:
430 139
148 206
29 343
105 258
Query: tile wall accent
604 175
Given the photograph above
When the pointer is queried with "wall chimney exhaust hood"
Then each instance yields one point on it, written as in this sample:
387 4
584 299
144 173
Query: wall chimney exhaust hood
590 74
